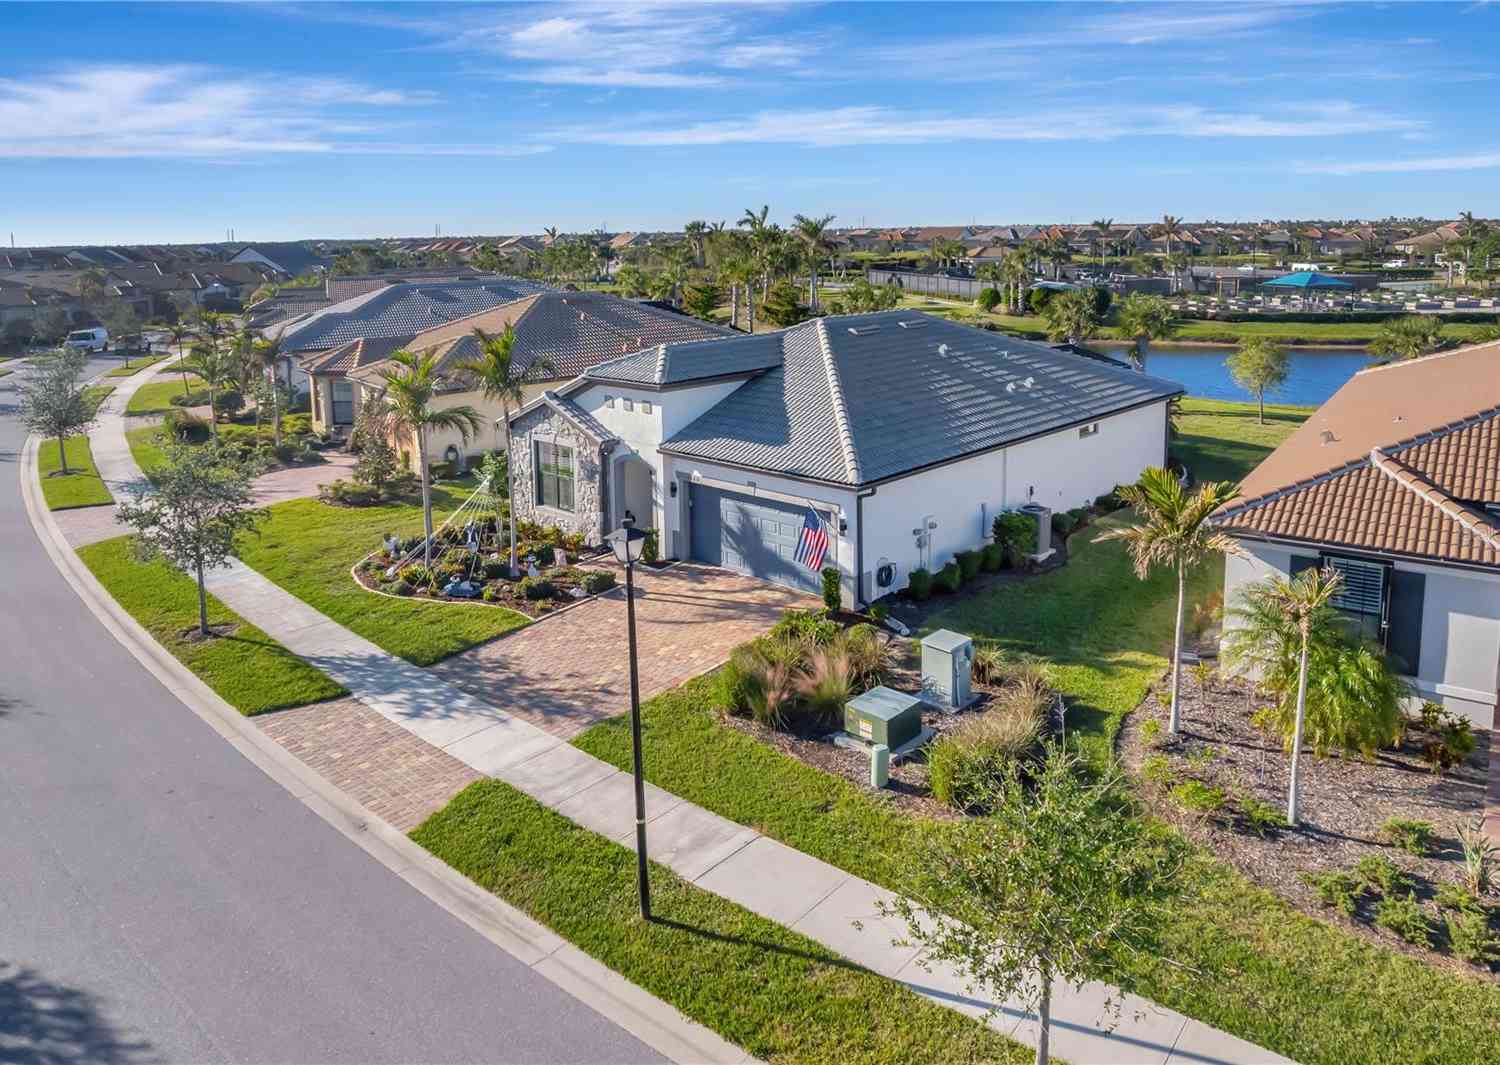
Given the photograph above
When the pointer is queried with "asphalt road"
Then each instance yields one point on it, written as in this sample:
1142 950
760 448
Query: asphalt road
161 900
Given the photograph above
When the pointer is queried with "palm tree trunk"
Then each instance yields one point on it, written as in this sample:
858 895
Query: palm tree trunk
1291 797
510 487
1262 417
812 288
213 412
202 603
1140 353
426 499
734 305
275 409
62 453
1174 719
750 304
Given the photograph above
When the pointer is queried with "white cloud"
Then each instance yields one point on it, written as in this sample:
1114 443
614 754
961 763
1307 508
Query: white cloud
1476 161
111 112
834 127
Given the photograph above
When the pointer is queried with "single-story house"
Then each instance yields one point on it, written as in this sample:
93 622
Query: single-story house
292 258
559 335
900 436
1395 483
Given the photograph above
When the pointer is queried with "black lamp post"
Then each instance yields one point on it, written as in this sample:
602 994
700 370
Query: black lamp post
628 542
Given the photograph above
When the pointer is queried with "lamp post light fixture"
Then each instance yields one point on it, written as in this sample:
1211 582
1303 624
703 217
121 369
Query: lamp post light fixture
628 543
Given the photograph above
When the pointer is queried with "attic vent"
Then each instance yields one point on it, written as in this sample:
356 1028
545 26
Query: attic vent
1010 386
911 323
864 330
942 349
1030 382
1327 436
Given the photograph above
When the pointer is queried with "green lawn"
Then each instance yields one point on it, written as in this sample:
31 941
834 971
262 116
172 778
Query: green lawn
94 395
779 995
1239 958
145 447
307 547
82 487
1224 441
156 397
135 366
251 671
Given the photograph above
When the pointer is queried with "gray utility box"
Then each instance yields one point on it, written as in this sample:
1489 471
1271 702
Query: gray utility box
884 715
947 665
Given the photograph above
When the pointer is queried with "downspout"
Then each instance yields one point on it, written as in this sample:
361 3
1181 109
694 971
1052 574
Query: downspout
859 545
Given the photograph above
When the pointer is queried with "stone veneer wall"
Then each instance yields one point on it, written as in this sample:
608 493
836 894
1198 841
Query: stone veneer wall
587 516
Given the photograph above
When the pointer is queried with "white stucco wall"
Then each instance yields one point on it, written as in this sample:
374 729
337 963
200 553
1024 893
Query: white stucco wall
1061 470
1460 656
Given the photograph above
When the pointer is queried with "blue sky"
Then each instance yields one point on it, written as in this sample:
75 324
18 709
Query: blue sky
167 122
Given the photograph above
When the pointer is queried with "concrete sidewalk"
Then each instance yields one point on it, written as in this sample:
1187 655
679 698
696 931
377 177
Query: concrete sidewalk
731 860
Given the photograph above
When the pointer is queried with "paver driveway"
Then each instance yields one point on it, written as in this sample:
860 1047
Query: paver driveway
568 671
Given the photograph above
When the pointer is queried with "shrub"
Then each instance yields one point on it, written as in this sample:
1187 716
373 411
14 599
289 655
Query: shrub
1414 837
869 655
229 401
397 588
964 764
1199 797
807 627
1079 516
197 397
1470 937
948 579
534 588
988 299
492 593
348 493
1150 731
990 665
596 581
879 611
416 575
1381 874
1339 889
1038 298
1403 915
833 593
1453 744
1261 817
1062 524
919 584
766 681
1480 856
651 549
1016 532
1108 502
186 426
826 682
968 564
992 558
440 470
496 569
1155 769
1457 897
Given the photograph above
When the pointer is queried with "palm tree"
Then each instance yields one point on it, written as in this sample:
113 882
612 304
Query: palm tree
1174 531
696 232
177 332
1145 318
1103 225
499 379
410 385
268 354
1072 316
217 365
1169 228
1408 337
1275 610
1016 272
812 232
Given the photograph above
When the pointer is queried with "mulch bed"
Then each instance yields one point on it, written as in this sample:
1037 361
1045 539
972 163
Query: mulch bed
215 632
1343 800
506 593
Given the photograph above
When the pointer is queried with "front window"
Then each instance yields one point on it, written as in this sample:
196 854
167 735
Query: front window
1361 595
343 403
554 475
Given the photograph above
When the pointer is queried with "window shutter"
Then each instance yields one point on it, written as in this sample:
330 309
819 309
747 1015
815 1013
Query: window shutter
1404 637
1302 562
1362 589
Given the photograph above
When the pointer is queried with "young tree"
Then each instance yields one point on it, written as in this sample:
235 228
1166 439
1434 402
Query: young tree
268 353
217 366
1072 316
701 301
1145 318
1056 881
1174 531
52 325
410 385
53 402
200 503
783 308
1259 366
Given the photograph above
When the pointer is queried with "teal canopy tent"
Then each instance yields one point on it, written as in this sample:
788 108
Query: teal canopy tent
1304 280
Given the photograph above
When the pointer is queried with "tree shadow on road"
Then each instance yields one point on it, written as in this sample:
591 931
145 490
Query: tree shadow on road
45 1023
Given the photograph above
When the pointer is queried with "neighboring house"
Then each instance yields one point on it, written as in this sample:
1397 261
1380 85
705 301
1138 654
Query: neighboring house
559 335
293 258
391 311
902 434
1427 244
1395 482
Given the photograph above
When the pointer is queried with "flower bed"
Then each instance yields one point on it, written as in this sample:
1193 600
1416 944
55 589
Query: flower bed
1379 847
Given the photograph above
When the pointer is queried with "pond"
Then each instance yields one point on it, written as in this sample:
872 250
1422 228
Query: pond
1316 373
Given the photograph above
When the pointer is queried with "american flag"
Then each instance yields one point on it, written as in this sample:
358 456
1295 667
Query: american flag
814 542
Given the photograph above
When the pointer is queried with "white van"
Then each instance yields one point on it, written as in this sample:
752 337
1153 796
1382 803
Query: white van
96 339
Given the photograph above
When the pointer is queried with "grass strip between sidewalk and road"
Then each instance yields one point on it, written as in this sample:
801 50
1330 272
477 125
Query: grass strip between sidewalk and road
81 487
779 995
245 667
135 366
307 547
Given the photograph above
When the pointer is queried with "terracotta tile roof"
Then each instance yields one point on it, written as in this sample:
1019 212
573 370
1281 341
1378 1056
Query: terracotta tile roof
1421 497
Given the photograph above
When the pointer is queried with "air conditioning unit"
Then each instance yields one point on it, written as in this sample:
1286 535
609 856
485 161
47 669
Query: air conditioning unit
947 670
1043 516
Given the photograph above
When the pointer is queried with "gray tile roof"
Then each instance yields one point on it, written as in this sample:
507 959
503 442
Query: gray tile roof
860 398
401 309
581 418
574 331
677 363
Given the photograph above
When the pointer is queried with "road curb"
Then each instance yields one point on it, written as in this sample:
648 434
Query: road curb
652 1021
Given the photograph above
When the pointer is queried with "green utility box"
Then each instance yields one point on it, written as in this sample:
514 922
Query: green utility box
884 715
